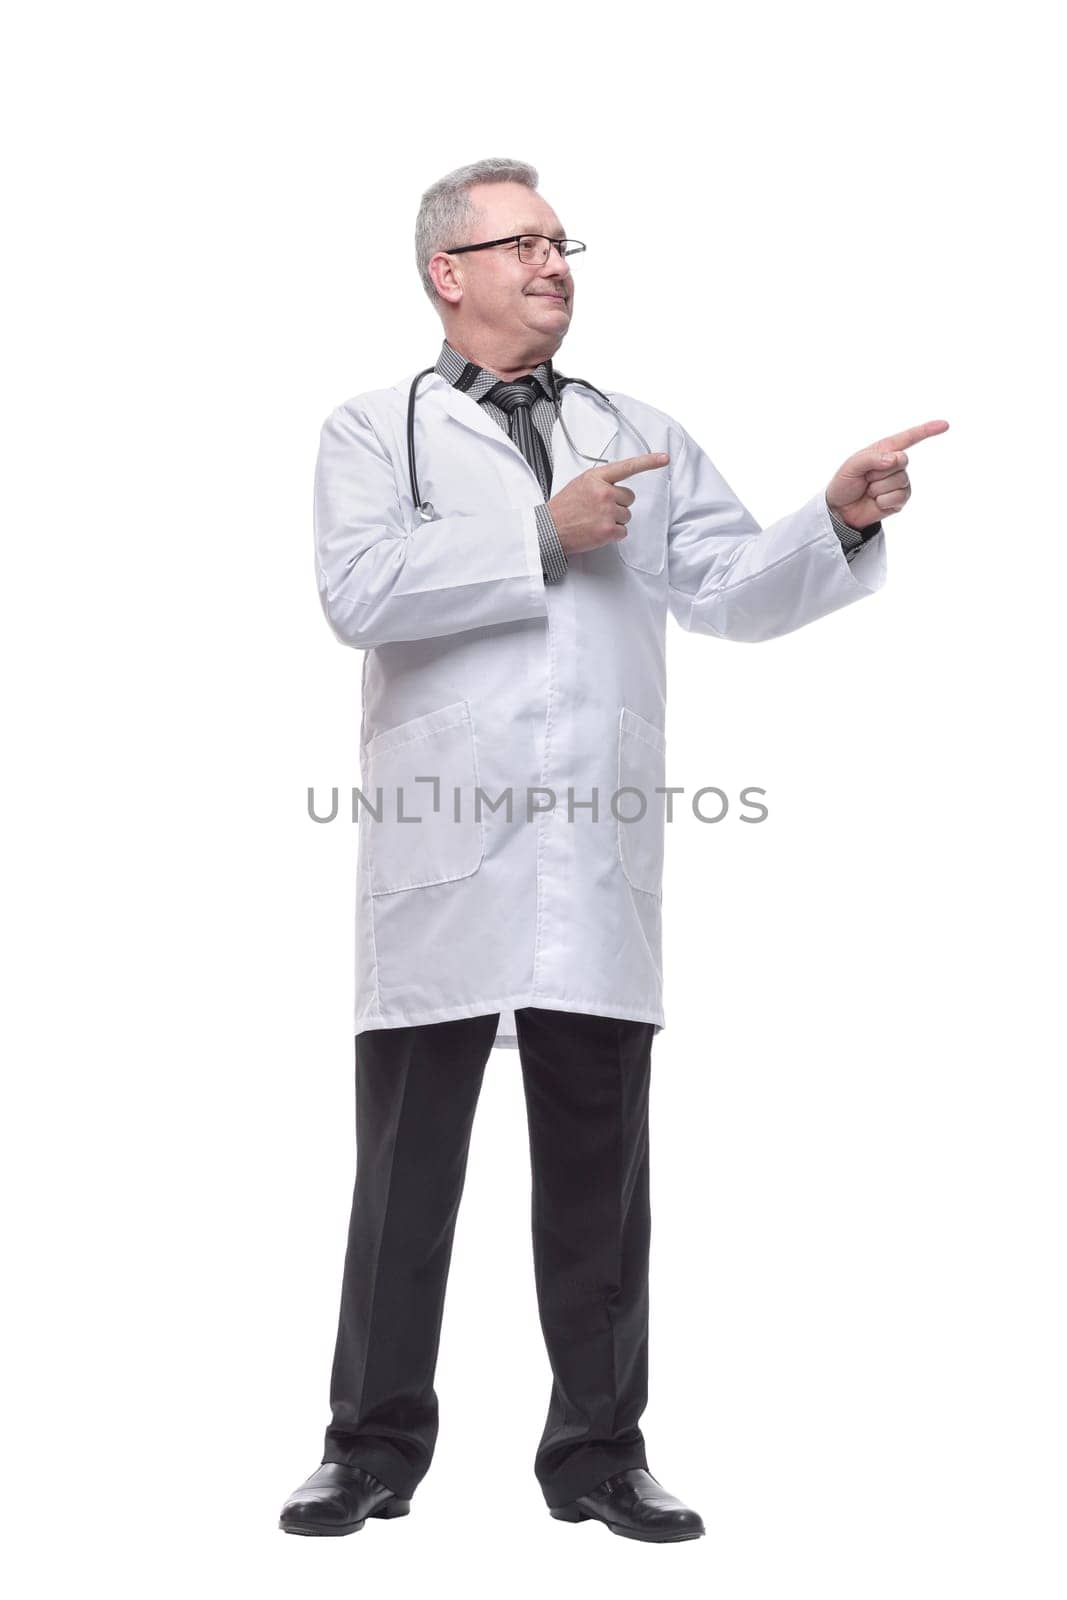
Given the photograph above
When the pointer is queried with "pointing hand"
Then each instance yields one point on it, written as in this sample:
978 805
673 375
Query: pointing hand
873 483
591 510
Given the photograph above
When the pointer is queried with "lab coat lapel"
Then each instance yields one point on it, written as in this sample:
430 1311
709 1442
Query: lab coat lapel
588 419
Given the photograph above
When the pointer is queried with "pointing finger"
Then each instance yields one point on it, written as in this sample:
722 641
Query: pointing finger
907 436
615 471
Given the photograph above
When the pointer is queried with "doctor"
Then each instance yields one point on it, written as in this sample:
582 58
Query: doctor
506 555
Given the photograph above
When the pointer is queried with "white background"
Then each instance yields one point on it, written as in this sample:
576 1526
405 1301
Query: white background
806 227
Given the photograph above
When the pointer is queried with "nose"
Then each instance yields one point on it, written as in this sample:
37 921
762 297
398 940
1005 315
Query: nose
556 267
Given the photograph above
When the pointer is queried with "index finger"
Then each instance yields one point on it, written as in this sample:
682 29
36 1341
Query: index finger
614 471
907 436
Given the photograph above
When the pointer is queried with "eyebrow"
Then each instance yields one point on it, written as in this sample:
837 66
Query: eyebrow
537 230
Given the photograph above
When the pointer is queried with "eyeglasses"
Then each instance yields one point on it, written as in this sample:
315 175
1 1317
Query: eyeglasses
533 248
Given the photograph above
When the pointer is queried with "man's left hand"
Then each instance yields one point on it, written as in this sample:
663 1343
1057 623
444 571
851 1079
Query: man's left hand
873 483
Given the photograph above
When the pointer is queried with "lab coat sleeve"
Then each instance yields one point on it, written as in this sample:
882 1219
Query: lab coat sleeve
379 582
728 577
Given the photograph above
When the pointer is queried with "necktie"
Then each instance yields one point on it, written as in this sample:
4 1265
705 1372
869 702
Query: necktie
517 400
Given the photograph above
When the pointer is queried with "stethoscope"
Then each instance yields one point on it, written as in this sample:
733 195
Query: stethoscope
426 510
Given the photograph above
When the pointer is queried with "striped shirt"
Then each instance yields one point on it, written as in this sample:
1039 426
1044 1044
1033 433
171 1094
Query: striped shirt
477 382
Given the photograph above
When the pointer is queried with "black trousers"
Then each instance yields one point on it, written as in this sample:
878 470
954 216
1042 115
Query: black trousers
586 1082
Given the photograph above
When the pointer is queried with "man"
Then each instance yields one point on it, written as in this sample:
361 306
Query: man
512 604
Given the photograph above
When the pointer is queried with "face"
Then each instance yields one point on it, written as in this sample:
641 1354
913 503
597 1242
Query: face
493 298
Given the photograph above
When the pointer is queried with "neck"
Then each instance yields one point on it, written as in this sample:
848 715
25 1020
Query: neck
504 363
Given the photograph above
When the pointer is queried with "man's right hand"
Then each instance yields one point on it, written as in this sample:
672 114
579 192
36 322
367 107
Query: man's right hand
591 510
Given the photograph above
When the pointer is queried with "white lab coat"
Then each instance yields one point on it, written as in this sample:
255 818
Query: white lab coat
478 674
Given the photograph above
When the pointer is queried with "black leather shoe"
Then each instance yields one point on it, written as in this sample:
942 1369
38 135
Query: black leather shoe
339 1499
635 1504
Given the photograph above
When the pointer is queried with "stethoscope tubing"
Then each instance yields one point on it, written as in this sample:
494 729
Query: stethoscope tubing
426 510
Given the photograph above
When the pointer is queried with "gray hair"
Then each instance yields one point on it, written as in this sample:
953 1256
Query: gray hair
446 215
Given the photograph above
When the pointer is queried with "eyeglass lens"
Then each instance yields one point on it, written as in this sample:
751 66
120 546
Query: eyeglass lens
533 250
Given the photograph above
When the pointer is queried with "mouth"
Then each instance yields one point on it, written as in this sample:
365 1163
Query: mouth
540 295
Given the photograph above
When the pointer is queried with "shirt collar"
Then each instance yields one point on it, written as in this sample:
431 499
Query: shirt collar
477 382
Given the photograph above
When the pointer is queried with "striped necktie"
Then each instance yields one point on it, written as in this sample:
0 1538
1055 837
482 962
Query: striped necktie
517 399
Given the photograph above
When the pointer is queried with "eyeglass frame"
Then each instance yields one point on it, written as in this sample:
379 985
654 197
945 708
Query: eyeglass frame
516 239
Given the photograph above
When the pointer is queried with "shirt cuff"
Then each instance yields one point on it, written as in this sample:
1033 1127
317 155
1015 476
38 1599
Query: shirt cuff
553 555
853 539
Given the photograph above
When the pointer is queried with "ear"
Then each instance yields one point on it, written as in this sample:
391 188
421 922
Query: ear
446 281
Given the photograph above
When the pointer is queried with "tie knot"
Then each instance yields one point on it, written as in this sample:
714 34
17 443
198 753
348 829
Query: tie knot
510 396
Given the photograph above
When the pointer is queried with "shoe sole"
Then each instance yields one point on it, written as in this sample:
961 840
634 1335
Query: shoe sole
391 1508
566 1514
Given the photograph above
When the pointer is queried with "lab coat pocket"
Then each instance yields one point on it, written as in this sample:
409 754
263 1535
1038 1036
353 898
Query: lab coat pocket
645 545
427 770
642 763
